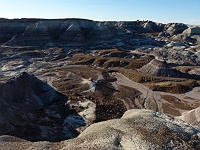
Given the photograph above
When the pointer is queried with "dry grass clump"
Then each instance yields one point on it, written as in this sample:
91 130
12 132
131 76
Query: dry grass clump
99 62
107 106
138 63
109 110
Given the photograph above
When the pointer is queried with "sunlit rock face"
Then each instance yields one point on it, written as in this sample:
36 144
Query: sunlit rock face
150 27
100 32
175 28
192 117
192 31
138 129
33 110
73 35
158 68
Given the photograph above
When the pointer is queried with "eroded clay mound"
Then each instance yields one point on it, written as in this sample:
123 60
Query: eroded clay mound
158 68
138 129
192 117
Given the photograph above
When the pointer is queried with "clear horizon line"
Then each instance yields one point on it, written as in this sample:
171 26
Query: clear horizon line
100 20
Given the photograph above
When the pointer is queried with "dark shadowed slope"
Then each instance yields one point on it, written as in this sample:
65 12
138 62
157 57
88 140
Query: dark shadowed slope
33 110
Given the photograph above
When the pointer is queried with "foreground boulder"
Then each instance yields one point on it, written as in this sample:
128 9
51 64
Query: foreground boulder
33 110
137 130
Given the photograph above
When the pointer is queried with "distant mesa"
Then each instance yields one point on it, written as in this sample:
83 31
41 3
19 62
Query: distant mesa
82 32
157 68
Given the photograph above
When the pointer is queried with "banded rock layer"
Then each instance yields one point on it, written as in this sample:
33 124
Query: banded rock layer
79 32
157 68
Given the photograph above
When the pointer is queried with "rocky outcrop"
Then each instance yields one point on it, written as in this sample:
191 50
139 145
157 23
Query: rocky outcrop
157 68
73 35
72 32
150 26
175 28
41 32
32 110
85 33
192 117
11 28
191 31
8 138
138 129
34 34
99 32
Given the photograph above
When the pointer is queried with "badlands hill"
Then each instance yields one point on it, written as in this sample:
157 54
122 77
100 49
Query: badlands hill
137 129
158 68
87 33
100 85
192 117
33 110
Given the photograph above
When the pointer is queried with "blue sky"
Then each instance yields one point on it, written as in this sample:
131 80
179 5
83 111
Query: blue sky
165 11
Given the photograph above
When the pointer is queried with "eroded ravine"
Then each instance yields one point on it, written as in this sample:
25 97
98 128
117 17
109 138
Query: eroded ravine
153 99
